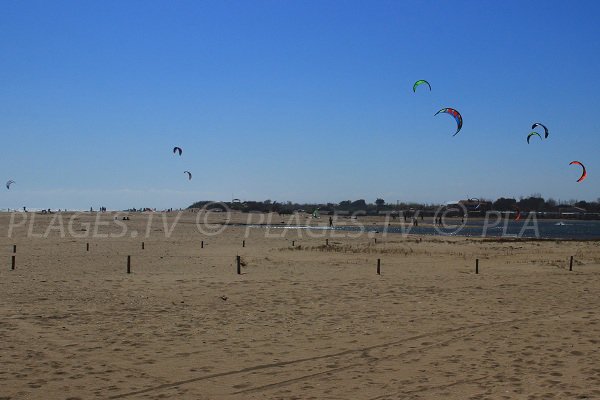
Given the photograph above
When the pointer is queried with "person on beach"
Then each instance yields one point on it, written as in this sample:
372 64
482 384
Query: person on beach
330 222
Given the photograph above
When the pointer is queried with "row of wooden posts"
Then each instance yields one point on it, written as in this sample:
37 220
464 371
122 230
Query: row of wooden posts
202 244
87 245
238 259
239 271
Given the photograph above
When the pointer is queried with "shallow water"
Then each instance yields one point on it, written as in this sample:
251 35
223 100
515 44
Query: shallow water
568 229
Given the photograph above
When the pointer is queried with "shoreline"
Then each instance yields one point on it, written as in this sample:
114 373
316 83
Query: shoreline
147 224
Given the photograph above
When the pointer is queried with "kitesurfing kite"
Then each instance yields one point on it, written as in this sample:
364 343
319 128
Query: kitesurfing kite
10 182
177 150
189 174
543 126
583 174
455 114
531 134
420 82
518 215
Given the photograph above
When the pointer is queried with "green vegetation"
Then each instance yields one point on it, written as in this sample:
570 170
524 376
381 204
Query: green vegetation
533 203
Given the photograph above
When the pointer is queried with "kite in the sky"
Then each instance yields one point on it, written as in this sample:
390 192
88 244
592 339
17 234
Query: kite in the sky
10 182
455 114
177 150
583 174
531 134
543 126
189 174
420 82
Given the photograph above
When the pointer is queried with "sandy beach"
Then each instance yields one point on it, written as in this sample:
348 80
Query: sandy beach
304 320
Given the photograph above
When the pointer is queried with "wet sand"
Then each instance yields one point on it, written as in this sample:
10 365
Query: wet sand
308 321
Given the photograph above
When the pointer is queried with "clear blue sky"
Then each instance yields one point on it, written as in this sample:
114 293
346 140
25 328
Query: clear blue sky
295 100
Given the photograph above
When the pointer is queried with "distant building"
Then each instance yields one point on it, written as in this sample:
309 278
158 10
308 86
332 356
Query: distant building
571 211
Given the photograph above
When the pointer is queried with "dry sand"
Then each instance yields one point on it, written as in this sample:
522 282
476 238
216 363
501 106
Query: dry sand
303 322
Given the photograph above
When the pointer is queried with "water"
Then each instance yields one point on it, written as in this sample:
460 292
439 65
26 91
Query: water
568 229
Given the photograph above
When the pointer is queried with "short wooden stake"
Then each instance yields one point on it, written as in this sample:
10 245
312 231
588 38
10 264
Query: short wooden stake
477 265
293 243
326 242
243 243
375 239
202 244
239 265
12 267
87 247
571 264
378 266
143 245
14 248
128 264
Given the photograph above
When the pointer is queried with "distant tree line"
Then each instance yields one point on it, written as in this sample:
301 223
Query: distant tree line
539 204
525 204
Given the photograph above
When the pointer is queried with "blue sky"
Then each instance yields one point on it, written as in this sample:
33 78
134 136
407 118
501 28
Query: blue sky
295 100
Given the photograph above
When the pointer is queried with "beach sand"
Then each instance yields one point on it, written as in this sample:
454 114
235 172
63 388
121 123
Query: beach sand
304 322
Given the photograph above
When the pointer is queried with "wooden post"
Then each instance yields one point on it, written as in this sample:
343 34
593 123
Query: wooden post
12 267
293 243
243 243
239 265
87 247
477 265
202 244
143 245
326 242
378 266
375 239
571 264
128 264
14 248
